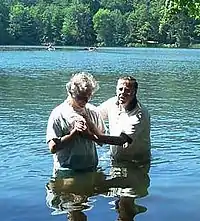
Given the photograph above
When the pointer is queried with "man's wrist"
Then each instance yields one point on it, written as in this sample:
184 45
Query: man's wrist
57 141
128 139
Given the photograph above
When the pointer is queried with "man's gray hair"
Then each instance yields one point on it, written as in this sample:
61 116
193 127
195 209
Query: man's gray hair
82 82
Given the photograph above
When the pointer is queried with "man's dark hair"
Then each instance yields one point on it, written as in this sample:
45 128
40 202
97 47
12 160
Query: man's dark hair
132 79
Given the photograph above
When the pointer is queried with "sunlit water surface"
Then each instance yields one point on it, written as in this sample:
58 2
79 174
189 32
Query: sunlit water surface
32 83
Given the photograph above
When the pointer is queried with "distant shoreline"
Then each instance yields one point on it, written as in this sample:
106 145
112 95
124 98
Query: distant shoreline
35 47
44 47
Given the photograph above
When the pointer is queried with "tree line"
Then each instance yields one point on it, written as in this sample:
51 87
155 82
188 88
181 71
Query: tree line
100 22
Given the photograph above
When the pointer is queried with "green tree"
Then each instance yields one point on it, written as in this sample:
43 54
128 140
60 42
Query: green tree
139 26
49 20
123 6
52 20
191 7
106 22
197 30
77 26
22 26
119 28
179 29
178 21
37 13
93 5
104 25
4 13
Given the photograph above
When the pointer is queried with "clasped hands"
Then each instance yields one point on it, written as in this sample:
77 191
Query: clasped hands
88 130
85 127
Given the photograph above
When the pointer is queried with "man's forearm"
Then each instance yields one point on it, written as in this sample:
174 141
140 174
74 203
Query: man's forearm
57 144
112 140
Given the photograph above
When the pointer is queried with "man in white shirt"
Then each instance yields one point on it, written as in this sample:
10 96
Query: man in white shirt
128 116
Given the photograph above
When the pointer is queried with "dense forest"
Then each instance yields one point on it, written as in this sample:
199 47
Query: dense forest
100 22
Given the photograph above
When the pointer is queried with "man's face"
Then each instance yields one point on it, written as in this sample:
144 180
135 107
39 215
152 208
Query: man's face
125 92
82 99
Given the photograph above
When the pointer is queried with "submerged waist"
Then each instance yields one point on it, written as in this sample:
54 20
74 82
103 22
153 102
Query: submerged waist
65 172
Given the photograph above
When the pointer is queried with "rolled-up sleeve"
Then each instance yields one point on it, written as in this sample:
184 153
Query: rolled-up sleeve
53 127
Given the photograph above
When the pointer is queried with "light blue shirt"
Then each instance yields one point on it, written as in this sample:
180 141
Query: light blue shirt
79 153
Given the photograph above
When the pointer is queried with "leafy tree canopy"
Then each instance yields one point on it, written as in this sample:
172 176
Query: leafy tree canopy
192 7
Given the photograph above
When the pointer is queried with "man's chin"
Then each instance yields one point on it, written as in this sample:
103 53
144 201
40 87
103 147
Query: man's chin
121 101
81 105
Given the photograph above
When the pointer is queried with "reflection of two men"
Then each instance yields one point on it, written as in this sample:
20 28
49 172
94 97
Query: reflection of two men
72 194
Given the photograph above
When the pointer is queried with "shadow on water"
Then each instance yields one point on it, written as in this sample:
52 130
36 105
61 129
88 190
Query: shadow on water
75 195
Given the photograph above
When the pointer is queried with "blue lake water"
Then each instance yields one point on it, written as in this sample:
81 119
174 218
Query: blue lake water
32 83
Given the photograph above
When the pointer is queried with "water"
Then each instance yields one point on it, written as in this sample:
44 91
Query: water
33 82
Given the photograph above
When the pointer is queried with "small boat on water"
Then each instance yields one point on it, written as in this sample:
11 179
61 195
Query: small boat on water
91 48
51 48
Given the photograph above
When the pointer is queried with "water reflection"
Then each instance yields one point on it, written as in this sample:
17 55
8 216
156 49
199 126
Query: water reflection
71 193
74 195
128 182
